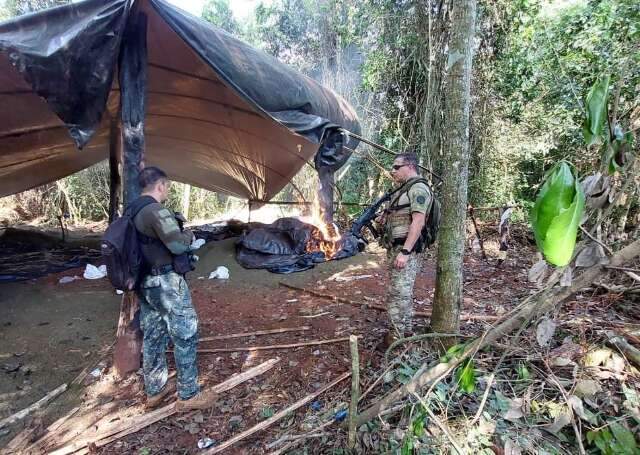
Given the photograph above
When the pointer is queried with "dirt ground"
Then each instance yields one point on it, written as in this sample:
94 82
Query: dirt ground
55 330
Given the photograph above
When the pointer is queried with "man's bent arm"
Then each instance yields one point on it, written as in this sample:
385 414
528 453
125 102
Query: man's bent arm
166 228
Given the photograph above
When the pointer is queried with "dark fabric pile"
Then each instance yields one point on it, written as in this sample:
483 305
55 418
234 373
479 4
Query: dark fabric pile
280 247
25 255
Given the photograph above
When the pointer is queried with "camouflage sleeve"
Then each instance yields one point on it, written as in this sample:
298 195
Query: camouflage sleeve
167 230
420 198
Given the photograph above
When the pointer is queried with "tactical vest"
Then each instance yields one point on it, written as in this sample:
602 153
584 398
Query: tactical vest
399 214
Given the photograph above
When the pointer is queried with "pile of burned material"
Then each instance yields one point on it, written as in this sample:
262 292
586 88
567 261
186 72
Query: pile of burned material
291 245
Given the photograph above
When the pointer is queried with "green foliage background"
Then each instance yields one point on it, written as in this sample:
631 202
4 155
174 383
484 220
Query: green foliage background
534 63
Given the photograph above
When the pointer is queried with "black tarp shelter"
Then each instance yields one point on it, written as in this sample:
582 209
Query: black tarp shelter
216 112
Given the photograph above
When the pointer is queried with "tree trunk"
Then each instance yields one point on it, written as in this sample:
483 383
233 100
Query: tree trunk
455 163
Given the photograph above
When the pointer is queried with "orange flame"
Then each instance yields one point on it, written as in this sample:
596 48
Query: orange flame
327 237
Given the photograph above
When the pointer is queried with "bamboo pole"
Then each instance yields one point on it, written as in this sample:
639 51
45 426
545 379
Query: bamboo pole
275 346
335 298
256 333
35 406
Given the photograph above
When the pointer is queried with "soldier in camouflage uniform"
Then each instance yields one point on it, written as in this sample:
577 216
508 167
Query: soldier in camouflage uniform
403 225
166 311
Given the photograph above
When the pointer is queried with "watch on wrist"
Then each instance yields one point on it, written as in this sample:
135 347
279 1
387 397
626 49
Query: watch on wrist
405 252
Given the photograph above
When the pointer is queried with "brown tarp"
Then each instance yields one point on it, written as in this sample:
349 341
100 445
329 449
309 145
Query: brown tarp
220 115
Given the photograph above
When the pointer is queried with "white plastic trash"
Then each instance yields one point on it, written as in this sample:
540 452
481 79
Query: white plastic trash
197 243
91 272
68 279
221 273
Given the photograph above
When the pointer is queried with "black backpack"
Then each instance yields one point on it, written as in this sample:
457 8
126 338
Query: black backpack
121 248
431 226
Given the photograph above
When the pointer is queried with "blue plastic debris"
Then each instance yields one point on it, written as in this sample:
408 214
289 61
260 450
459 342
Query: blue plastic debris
316 405
341 415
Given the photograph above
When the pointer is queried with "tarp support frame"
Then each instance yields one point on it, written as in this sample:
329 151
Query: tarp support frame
133 88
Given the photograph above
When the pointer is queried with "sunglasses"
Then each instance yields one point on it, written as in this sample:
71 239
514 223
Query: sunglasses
397 167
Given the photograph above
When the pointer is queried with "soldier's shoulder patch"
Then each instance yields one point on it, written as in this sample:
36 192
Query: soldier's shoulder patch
421 199
164 213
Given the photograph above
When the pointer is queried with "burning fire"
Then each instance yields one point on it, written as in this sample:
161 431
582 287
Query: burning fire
327 236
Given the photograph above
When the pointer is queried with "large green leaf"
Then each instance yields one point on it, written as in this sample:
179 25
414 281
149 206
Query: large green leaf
596 108
556 194
557 213
560 239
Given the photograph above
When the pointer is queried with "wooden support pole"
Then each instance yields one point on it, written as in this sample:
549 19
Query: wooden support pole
355 391
133 88
475 227
115 158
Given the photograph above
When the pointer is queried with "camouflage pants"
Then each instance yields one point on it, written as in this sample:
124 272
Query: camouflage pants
400 291
166 312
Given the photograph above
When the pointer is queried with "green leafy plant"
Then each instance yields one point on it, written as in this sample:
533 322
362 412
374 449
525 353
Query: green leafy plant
596 110
614 440
466 376
557 213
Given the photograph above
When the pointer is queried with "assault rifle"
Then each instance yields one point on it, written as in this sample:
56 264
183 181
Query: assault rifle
367 217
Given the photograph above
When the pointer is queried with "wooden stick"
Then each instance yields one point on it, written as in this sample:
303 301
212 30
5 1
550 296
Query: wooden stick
35 406
118 429
545 300
275 346
475 227
632 354
355 390
266 423
335 298
257 333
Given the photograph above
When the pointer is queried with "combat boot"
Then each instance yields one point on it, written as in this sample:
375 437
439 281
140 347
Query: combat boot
201 400
155 400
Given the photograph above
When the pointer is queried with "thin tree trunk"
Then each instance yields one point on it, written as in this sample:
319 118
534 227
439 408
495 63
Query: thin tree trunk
186 198
455 162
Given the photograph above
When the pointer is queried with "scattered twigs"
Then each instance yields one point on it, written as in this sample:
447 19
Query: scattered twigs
34 407
335 298
622 269
632 354
423 336
275 346
115 430
440 425
257 333
483 402
543 301
298 439
382 375
355 390
559 386
266 423
585 232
